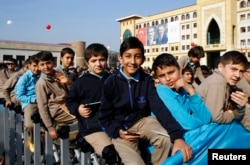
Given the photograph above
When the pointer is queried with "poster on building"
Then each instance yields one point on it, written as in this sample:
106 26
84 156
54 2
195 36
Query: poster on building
173 32
161 35
151 35
141 34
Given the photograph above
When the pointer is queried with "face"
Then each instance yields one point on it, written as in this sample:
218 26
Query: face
131 60
247 75
46 67
194 60
10 65
231 72
151 33
188 77
34 68
67 60
168 75
161 30
97 64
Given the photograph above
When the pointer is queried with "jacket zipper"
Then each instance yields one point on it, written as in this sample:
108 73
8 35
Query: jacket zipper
130 95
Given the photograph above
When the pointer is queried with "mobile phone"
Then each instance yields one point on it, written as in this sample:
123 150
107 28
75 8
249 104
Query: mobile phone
92 104
132 133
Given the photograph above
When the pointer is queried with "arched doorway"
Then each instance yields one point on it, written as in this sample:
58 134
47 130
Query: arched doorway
213 33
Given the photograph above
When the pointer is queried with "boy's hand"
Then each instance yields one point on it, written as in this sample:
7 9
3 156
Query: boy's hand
239 98
61 78
84 111
182 83
181 145
53 134
125 135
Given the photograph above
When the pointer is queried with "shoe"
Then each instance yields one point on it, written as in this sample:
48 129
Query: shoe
2 158
31 147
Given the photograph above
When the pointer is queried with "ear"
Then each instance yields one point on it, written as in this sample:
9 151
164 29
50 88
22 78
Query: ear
220 67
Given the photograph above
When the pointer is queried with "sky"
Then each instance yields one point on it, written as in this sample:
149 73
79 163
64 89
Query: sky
91 21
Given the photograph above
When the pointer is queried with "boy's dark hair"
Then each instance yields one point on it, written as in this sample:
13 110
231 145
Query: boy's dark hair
95 49
130 43
196 51
11 59
248 66
45 56
67 50
33 58
187 69
164 59
234 57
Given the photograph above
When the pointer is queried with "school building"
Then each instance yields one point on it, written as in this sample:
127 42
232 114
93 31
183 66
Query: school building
217 25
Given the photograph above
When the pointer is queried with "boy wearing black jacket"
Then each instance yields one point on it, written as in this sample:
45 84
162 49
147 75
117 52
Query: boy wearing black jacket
129 96
87 90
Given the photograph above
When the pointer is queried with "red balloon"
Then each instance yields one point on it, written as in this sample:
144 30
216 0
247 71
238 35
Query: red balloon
48 26
192 44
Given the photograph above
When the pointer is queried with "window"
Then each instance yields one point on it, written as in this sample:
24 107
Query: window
188 47
187 36
248 41
248 29
166 49
176 18
194 14
248 15
176 48
187 26
172 19
183 27
144 25
162 49
166 20
153 23
242 29
183 37
194 35
242 17
172 48
187 16
156 22
242 4
183 47
183 17
162 21
195 25
242 42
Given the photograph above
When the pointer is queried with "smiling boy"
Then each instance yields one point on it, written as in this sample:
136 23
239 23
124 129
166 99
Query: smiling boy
129 96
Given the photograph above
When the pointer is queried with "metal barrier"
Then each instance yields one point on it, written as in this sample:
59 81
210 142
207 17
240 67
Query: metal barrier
14 145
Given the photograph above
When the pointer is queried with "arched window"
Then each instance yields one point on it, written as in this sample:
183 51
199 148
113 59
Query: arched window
248 3
172 19
187 16
176 18
195 15
162 21
183 17
242 4
166 20
144 25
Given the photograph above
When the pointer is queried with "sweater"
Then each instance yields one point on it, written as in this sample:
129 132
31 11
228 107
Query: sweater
126 101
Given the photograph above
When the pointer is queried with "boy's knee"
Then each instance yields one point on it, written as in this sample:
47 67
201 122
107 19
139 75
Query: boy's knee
109 154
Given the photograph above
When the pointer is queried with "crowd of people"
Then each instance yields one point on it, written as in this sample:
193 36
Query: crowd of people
118 109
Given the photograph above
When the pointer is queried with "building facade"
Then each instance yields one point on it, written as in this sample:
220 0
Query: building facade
216 25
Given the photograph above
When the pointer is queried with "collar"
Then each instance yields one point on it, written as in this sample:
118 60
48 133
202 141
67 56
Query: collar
99 76
135 77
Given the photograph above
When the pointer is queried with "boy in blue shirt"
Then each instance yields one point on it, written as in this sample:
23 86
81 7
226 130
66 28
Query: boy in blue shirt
129 96
25 93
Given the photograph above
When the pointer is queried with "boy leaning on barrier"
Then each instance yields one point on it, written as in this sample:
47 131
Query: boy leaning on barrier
51 90
226 102
25 93
129 96
87 89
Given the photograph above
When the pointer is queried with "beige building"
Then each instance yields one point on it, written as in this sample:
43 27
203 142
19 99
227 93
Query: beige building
22 50
217 25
